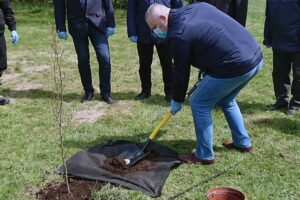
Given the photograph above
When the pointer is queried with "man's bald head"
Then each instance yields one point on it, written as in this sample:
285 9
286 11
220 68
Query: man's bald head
157 16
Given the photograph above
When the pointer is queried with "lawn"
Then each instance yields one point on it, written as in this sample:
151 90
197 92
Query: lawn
30 146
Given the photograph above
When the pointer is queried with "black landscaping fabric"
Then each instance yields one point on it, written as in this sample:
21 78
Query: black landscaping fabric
88 164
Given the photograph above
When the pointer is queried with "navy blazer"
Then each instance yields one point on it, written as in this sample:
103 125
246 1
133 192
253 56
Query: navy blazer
282 25
136 25
206 38
6 16
237 9
99 12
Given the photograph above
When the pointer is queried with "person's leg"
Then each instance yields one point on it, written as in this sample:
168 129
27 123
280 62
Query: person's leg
3 66
100 43
3 56
281 78
83 56
295 101
210 92
145 52
167 68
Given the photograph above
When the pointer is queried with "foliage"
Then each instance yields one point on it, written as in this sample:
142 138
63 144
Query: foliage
120 4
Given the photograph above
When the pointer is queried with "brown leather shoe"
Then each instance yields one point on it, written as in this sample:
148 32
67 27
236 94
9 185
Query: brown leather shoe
191 159
230 145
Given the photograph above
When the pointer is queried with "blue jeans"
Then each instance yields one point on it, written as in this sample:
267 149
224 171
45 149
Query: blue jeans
221 92
100 44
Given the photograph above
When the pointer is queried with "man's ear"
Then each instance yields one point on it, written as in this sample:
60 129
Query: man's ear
162 19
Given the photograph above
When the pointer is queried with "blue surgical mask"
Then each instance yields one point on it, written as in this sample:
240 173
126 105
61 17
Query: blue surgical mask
160 33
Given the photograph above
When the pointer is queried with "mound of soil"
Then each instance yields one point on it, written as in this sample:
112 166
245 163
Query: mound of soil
118 166
81 189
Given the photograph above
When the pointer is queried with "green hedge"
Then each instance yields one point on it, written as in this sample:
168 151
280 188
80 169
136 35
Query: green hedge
116 3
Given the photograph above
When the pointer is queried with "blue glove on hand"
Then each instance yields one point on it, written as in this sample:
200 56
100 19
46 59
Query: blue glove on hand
62 35
15 37
175 107
110 31
133 39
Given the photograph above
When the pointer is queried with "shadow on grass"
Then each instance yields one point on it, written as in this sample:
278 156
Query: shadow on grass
124 95
39 94
156 99
180 146
69 97
289 126
251 107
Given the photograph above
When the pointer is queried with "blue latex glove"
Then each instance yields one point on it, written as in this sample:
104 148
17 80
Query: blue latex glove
110 31
62 35
15 37
133 39
175 107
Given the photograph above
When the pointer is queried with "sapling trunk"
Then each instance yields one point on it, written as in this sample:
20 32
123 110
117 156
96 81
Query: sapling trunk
58 111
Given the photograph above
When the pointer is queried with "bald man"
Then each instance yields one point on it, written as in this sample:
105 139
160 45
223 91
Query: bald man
204 37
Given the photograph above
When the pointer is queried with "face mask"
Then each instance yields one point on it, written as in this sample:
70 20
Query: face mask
160 33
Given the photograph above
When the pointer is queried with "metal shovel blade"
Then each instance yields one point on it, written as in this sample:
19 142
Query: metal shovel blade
135 154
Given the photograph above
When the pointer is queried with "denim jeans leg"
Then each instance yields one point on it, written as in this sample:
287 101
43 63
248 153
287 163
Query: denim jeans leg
210 92
83 56
233 114
100 43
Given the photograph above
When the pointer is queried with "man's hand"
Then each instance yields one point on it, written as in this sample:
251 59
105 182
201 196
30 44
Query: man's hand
175 107
110 31
133 39
15 37
62 35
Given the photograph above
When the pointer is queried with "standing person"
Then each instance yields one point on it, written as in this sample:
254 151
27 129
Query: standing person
6 17
283 35
88 20
139 32
202 36
237 9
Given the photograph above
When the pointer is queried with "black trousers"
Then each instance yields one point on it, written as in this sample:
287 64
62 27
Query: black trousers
145 52
3 56
283 64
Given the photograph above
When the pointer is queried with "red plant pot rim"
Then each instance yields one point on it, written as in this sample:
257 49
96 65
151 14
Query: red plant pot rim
225 190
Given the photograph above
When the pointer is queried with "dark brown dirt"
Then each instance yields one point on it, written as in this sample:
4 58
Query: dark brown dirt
80 190
118 166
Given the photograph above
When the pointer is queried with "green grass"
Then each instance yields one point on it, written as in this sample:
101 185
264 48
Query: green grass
30 146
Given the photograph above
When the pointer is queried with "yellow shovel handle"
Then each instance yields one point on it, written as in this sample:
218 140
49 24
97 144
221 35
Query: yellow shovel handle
163 121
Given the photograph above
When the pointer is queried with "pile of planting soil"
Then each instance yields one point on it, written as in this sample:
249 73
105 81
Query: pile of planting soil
118 166
81 189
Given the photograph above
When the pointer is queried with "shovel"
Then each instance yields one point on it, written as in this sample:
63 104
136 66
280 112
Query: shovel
135 154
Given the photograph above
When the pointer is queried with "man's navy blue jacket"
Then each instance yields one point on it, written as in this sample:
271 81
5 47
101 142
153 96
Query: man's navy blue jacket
136 25
201 35
282 25
6 16
99 12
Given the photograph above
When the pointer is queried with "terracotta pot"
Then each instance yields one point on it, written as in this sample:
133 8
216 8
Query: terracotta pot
225 193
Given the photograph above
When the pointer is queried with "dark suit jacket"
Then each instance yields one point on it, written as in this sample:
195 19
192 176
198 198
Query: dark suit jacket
99 12
136 25
282 25
6 16
237 9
